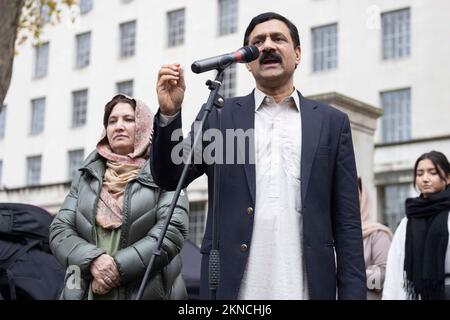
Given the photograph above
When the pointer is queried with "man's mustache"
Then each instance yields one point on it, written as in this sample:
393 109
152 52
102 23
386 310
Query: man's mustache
270 55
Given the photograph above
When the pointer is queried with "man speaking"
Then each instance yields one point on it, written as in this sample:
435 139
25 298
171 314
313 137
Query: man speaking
289 221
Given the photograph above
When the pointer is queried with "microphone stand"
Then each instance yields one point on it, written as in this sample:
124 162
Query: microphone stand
214 100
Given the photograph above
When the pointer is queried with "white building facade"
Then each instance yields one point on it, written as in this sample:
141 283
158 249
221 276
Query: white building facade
388 54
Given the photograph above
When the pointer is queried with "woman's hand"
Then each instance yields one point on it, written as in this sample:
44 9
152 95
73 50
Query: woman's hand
170 89
105 273
99 287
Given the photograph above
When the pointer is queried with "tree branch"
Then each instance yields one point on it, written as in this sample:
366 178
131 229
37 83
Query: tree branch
10 12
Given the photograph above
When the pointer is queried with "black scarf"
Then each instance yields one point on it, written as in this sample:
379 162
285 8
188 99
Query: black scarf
426 246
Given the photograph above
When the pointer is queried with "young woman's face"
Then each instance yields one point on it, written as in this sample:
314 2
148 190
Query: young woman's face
121 129
428 180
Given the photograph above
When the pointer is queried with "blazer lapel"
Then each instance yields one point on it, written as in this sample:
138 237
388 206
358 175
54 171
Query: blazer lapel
244 118
311 127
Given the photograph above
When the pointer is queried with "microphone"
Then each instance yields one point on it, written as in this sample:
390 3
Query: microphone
243 55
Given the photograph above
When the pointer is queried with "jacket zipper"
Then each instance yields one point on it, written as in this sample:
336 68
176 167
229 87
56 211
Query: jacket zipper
126 198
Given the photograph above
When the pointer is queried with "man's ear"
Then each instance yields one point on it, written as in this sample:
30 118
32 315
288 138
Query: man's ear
298 56
249 68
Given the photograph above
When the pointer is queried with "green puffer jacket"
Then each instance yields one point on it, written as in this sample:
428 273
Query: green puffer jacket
73 235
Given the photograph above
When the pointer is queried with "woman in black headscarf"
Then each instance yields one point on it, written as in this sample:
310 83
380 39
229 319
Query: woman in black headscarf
418 265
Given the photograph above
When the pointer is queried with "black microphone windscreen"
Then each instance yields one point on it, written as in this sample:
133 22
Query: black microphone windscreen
251 53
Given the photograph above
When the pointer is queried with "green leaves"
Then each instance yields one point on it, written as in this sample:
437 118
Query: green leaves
37 13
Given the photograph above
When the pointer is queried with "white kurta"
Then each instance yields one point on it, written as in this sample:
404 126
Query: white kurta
275 268
394 281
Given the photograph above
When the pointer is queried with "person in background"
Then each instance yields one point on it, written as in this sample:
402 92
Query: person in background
377 240
109 223
418 266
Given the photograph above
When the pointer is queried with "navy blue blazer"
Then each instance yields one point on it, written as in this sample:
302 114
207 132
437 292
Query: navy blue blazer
330 203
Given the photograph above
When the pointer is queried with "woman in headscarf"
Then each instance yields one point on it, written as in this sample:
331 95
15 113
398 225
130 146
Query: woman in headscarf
108 226
377 240
418 266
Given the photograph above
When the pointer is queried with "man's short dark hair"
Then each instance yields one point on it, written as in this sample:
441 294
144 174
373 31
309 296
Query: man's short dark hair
272 16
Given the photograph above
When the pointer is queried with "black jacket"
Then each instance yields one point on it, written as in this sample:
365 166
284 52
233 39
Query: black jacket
331 217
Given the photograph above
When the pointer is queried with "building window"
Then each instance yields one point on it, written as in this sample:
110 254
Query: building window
176 27
325 48
126 88
228 16
37 116
397 115
127 39
41 62
34 170
86 6
396 34
45 14
76 158
228 88
394 204
2 122
197 213
83 50
80 101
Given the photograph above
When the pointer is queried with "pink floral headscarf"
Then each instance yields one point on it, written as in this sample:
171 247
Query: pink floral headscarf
143 136
369 226
122 169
